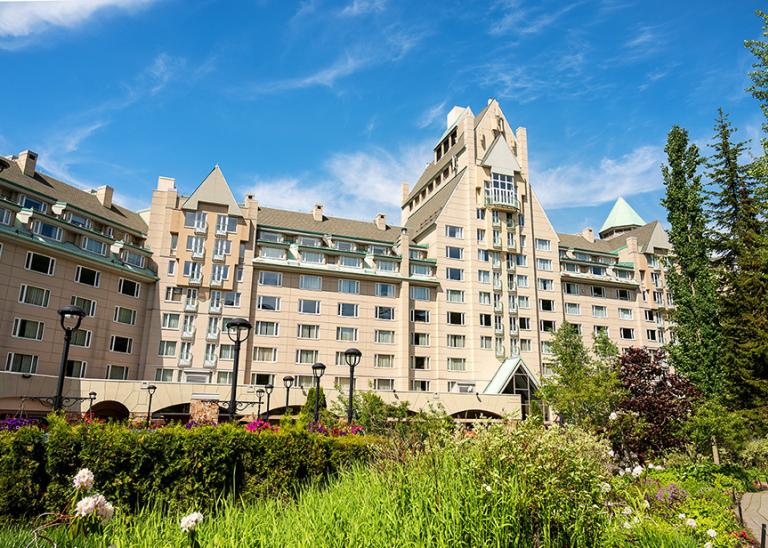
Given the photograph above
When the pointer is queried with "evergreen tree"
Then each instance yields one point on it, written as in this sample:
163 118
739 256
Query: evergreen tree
690 278
739 241
759 76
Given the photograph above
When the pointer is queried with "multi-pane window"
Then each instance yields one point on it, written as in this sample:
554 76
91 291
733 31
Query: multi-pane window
484 276
270 236
570 289
266 329
194 219
231 298
348 334
263 379
420 316
543 245
385 290
456 341
525 323
546 284
650 315
35 296
170 321
419 386
599 311
75 369
454 295
348 310
420 362
548 326
344 246
307 306
522 280
349 286
385 313
128 287
167 348
40 263
117 372
384 337
350 262
546 305
521 260
307 331
174 294
225 223
125 315
544 264
312 257
28 329
625 313
306 357
624 294
485 297
121 344
456 318
46 230
480 234
94 246
419 293
314 283
266 302
272 253
485 320
384 385
650 334
456 274
598 291
525 345
87 305
420 339
627 333
573 309
163 375
21 363
457 364
264 354
523 301
454 232
384 361
452 252
386 266
274 279
87 276
486 342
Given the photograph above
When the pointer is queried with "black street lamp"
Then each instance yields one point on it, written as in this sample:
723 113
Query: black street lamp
91 398
151 391
259 395
352 357
287 382
317 371
70 318
237 330
268 389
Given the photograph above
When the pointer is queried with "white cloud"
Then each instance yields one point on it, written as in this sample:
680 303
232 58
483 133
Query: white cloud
363 7
432 114
356 184
57 156
575 185
522 20
21 20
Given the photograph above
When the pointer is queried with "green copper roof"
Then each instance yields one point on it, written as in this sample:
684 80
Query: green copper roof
622 214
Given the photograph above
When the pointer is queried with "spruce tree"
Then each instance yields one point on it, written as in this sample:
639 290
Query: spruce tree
694 351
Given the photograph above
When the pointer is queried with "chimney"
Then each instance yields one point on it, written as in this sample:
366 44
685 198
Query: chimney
166 184
104 194
404 192
317 213
381 221
452 116
27 161
588 234
632 244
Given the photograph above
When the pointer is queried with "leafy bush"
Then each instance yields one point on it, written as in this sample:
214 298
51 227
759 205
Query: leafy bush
22 470
755 454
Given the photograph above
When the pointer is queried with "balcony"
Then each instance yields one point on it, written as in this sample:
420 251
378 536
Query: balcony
185 361
210 361
500 351
198 254
221 230
188 333
214 308
499 330
498 308
201 229
190 306
497 244
496 265
219 257
212 336
217 282
196 280
499 199
497 286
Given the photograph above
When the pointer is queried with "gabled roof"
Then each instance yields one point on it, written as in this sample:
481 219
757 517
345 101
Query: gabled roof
427 214
504 374
305 222
214 190
56 190
500 157
434 168
621 215
577 241
650 236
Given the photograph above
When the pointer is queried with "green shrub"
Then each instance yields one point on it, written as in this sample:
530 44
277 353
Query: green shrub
22 472
755 454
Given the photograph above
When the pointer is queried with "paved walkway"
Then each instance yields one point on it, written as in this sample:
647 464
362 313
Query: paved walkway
755 509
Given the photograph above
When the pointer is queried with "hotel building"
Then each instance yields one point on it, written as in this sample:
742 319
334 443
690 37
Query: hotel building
456 304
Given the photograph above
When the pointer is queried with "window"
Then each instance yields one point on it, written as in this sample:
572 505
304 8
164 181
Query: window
309 307
35 296
650 334
171 268
384 337
486 343
265 302
480 234
546 347
232 299
170 321
480 213
624 294
274 279
348 310
543 245
117 372
266 329
419 293
128 287
546 305
456 341
420 339
571 289
525 345
485 297
40 263
46 230
523 301
348 334
350 262
21 363
220 272
598 329
312 257
485 320
456 274
385 290
306 331
544 264
625 313
307 357
264 354
384 385
349 286
167 348
87 305
308 241
521 260
385 361
271 253
548 326
163 375
87 276
419 386
546 285
125 315
421 270
457 364
525 324
456 318
484 276
522 280
574 309
81 337
650 316
454 296
599 311
344 246
194 219
598 291
313 283
94 246
225 223
173 294
627 333
454 252
385 313
223 377
133 259
75 369
388 266
421 316
454 232
270 236
121 344
263 379
28 329
461 387
419 362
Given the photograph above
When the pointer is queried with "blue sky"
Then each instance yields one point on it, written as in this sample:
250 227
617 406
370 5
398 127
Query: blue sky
340 102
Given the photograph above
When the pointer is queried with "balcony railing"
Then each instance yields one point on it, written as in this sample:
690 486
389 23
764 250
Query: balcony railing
190 306
210 361
219 257
198 253
214 309
201 229
188 333
212 335
196 279
185 361
501 199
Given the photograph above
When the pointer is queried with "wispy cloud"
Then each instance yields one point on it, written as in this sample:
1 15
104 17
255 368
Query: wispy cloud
578 184
363 7
21 21
525 20
645 42
57 156
432 114
356 184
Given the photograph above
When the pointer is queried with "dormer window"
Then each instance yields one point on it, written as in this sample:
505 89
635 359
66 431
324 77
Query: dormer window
194 219
307 241
225 223
47 230
275 237
78 220
31 203
344 246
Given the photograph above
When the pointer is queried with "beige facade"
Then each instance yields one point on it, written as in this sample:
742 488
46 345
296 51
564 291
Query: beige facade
456 305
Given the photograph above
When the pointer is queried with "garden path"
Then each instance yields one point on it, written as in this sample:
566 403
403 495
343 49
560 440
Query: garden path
754 506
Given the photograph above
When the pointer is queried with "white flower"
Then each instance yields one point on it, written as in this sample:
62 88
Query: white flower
83 480
605 487
635 519
690 522
627 525
95 505
627 511
487 487
707 545
711 533
637 470
613 416
645 504
621 472
189 523
680 516
611 453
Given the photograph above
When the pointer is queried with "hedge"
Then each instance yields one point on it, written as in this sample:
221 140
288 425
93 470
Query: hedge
174 465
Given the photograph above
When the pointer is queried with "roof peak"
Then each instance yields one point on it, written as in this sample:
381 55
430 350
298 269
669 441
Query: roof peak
621 215
214 189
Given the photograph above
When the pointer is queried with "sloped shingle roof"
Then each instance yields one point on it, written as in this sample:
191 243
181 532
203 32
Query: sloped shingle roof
305 222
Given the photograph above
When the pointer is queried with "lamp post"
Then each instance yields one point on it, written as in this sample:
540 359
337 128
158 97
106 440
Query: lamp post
91 398
151 391
352 357
259 395
268 389
287 382
317 371
68 315
237 330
